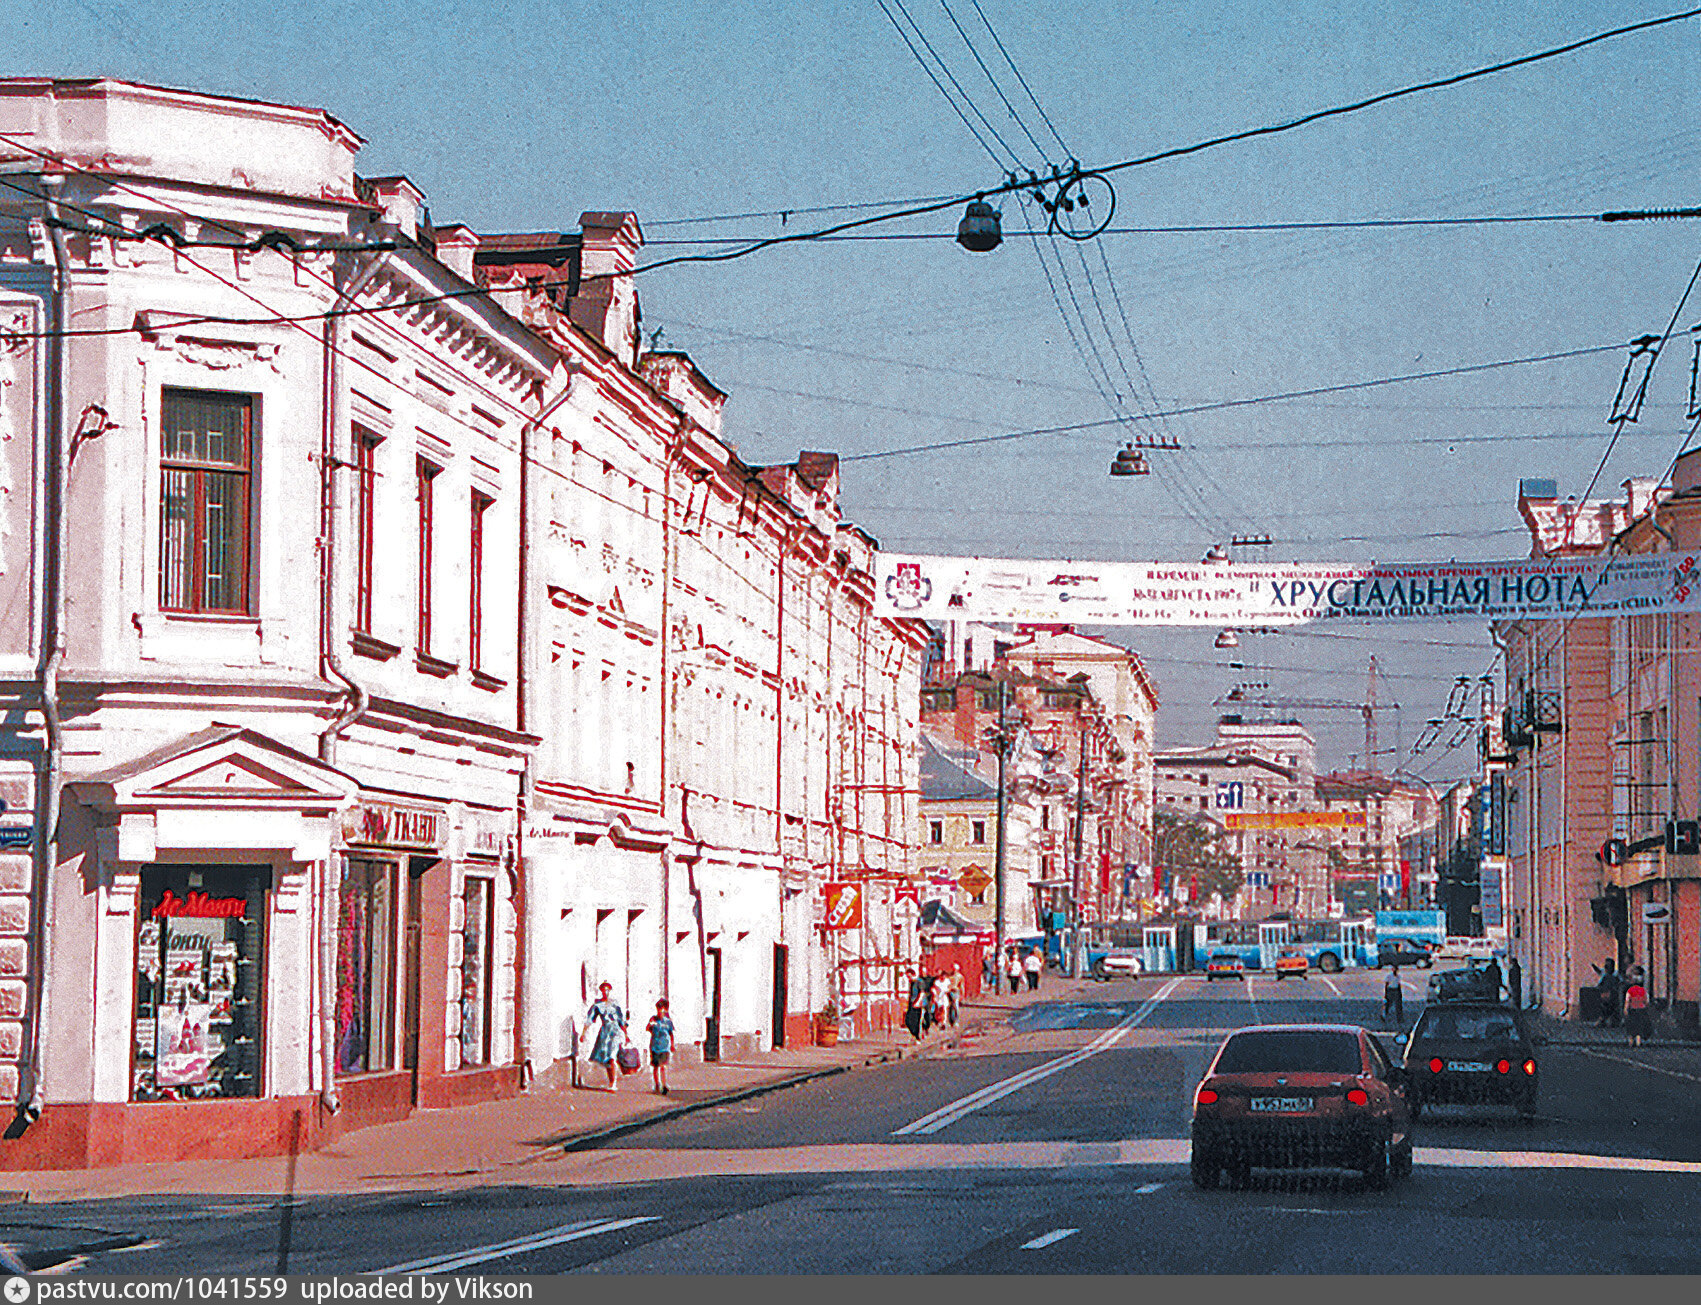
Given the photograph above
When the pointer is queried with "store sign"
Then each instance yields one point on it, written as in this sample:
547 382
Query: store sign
16 835
844 906
198 906
394 826
975 879
1295 820
1656 913
1161 593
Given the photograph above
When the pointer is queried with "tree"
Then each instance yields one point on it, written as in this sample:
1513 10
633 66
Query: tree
1187 850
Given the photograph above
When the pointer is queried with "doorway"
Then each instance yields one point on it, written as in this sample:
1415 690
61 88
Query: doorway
781 960
712 1019
412 932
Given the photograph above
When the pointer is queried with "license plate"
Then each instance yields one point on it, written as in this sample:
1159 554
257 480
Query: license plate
1470 1066
1283 1105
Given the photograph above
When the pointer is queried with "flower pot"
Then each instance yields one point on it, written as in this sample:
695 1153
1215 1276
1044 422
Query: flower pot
826 1031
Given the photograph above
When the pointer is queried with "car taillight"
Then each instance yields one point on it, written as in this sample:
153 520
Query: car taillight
1435 1065
1530 1068
1207 1097
1503 1067
1358 1097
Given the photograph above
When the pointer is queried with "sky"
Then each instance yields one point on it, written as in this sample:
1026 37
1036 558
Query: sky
522 115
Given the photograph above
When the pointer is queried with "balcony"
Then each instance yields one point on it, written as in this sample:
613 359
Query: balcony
1534 713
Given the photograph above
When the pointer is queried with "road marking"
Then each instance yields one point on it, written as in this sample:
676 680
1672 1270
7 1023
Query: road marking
1332 988
1628 1060
1148 1189
951 1113
571 1232
921 1156
1055 1235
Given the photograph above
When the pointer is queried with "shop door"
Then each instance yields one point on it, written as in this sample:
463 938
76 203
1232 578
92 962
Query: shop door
712 1020
780 1001
410 972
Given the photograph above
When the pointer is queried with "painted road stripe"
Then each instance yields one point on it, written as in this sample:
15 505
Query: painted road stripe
571 1232
1332 988
1633 1062
1055 1235
917 1156
951 1113
1148 1189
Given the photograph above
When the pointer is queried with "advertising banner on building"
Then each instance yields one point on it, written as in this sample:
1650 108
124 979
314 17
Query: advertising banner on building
1294 820
844 906
1229 594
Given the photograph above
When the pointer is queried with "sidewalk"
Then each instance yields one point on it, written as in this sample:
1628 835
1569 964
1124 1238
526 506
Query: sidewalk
501 1142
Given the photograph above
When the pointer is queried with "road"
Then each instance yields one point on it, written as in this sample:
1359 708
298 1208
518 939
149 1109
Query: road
1053 1142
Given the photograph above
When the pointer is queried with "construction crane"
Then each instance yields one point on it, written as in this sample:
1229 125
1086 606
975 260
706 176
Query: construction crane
1240 698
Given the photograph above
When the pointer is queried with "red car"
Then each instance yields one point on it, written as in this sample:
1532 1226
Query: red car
1300 1096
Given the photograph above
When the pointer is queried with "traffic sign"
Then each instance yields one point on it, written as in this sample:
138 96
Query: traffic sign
1656 913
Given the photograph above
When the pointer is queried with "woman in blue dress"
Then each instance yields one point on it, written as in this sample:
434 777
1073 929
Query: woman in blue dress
611 1032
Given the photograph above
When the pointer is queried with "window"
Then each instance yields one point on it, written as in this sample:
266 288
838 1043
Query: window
425 479
979 828
198 947
478 898
206 488
365 494
935 832
475 613
366 949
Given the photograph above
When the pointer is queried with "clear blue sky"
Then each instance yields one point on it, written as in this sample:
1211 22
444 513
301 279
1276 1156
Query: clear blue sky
522 115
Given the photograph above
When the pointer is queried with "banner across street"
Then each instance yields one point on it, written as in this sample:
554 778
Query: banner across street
1296 593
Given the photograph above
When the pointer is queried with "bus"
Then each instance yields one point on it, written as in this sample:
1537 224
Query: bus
1240 937
1427 928
1329 945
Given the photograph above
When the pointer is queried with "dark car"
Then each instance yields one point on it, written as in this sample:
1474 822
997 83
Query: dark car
1472 1052
1225 965
1471 981
1403 951
1299 1096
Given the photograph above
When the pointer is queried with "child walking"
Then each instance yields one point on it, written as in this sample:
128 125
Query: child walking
660 1029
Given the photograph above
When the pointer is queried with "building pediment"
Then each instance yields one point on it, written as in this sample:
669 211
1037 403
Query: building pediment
220 767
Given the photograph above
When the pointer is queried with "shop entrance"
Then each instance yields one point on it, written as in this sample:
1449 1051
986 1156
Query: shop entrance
781 960
712 1020
411 939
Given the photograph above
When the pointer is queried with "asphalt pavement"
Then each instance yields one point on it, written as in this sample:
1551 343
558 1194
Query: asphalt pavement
1047 1136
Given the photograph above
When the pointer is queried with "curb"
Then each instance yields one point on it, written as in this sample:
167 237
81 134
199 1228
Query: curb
596 1137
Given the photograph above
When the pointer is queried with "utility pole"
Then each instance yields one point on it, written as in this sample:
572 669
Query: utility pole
1079 888
1001 744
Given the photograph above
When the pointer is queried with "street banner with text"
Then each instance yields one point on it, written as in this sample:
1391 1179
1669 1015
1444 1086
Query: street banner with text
1280 594
1294 820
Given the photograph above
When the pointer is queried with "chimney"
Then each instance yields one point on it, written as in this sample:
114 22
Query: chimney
607 302
402 203
456 246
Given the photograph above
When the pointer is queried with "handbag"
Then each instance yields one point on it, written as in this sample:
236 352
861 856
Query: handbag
627 1058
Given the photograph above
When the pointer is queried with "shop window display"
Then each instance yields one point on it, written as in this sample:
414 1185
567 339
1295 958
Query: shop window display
477 897
366 947
199 943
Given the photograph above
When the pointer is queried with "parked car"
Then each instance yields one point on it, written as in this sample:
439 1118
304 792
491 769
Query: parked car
1119 962
1403 951
1291 962
1461 948
1472 1051
1224 965
1301 1096
1468 982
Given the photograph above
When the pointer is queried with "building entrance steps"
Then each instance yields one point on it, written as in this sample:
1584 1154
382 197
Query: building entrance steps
507 1142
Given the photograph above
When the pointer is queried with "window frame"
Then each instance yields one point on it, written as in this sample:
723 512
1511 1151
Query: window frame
481 505
366 444
194 583
426 473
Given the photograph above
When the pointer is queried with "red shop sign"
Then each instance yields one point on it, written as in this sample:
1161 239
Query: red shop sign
201 907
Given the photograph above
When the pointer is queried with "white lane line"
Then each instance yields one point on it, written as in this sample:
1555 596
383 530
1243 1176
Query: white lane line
1332 988
955 1110
1055 1235
1148 1189
1629 1060
571 1232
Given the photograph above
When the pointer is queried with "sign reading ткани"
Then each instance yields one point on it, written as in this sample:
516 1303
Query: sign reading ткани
1156 593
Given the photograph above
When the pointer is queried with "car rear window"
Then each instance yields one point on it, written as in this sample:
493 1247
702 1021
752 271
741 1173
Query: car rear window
1303 1051
1468 1026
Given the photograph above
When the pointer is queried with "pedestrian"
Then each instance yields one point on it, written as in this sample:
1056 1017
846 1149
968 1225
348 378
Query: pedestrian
660 1029
912 1012
1493 977
1393 1000
611 1031
1515 983
1013 971
954 992
1609 989
929 1003
989 971
1636 1009
1032 967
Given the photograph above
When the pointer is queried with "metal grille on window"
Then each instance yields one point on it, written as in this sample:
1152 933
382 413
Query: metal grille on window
206 455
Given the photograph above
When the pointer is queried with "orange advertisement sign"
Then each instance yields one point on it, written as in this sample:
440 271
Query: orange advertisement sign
844 906
1294 820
